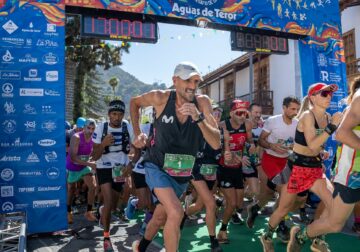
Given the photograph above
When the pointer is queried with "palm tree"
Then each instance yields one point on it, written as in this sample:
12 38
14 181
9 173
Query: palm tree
113 82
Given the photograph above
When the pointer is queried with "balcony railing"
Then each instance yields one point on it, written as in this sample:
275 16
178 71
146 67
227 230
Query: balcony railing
264 98
353 68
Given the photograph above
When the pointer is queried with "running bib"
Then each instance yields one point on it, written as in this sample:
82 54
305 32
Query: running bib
208 171
117 172
84 157
179 165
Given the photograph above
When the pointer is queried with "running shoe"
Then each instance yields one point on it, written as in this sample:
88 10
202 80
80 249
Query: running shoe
267 244
135 246
252 213
108 246
222 237
90 216
283 233
294 245
319 245
235 219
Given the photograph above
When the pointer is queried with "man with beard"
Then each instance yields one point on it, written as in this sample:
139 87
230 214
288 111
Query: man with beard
237 130
277 138
112 142
183 120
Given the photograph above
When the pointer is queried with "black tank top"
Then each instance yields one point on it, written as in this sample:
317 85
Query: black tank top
300 136
170 136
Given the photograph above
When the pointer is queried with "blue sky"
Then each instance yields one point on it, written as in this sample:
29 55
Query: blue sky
208 49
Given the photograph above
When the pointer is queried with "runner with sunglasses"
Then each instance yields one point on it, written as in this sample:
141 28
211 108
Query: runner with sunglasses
346 182
237 130
305 163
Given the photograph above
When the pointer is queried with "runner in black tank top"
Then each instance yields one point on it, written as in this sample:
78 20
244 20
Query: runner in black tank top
183 120
172 138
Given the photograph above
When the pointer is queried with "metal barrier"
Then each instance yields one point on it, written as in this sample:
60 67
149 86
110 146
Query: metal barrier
13 232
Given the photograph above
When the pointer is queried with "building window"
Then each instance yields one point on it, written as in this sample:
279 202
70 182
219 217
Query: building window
261 74
206 90
350 53
229 90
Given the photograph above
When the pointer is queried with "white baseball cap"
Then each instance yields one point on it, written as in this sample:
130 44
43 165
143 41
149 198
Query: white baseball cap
185 70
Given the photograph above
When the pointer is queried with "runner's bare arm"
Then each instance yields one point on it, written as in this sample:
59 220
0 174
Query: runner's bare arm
345 132
208 127
155 98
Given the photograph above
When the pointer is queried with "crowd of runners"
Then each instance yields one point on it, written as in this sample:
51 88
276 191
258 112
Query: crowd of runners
187 159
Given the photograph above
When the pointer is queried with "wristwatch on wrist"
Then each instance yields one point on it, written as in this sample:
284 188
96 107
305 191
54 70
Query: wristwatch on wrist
201 118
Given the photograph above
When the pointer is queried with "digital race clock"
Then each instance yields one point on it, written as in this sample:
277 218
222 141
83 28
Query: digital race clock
244 41
128 29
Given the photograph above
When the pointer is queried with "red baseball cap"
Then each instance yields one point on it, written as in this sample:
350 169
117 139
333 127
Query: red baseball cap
239 104
314 88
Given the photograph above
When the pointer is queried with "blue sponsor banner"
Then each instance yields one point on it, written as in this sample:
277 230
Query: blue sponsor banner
32 139
325 62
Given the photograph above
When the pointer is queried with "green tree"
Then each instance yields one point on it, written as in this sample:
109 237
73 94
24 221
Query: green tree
113 82
88 53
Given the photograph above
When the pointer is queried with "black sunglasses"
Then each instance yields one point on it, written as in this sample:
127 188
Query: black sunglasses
325 93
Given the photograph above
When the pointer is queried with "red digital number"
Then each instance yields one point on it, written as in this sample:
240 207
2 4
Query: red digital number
274 44
125 28
113 26
137 29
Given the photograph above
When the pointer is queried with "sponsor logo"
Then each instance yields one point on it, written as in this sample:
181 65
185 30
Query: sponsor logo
52 76
46 203
9 108
48 188
46 142
7 191
16 143
7 89
26 189
53 173
10 75
10 27
9 126
165 119
47 110
33 75
30 126
7 57
50 92
10 159
51 30
29 42
322 60
48 126
30 29
28 59
51 156
13 41
50 59
47 43
7 174
32 158
7 206
28 109
30 173
31 92
51 27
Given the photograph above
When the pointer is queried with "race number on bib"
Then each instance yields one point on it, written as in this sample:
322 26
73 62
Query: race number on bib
179 165
117 172
208 171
